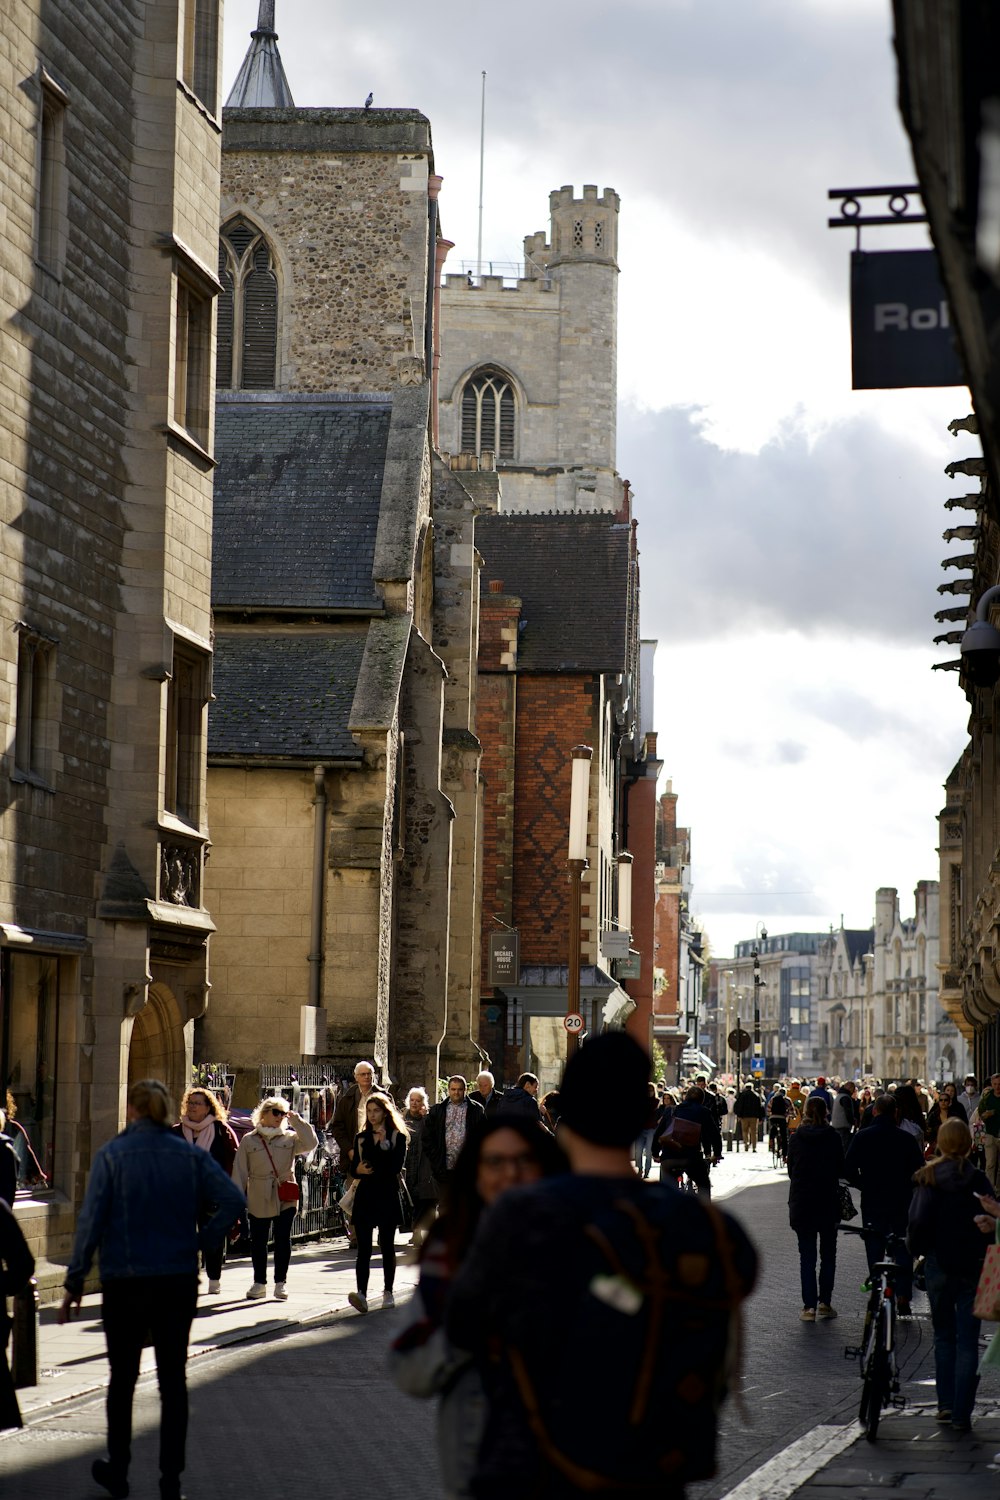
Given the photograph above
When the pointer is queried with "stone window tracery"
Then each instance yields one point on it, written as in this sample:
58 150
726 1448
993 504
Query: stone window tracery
247 329
489 415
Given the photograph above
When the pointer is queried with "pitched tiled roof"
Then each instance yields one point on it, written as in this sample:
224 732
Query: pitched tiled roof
297 492
578 592
285 697
859 941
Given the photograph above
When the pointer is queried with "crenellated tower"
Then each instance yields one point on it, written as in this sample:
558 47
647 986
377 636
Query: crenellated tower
530 363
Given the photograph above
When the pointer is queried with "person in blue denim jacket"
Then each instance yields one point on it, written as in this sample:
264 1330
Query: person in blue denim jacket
147 1190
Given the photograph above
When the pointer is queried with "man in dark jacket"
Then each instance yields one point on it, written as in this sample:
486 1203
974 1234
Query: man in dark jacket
522 1100
846 1116
748 1109
882 1160
694 1160
485 1094
449 1125
349 1116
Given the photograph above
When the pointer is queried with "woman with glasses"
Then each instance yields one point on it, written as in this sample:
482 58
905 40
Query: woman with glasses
265 1170
511 1152
203 1125
376 1161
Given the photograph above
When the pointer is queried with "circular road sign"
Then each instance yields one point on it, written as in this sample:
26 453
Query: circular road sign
573 1023
739 1041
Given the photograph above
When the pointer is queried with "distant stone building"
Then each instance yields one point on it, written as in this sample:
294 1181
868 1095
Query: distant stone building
678 992
110 180
529 363
343 763
846 1015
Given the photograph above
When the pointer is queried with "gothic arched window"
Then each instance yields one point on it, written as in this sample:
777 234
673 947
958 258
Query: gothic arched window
488 413
248 310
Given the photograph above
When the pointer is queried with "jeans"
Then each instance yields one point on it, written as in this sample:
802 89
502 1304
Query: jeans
135 1308
259 1229
387 1247
956 1339
644 1152
811 1294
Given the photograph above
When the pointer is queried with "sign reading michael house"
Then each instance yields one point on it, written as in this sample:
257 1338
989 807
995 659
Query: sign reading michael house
901 332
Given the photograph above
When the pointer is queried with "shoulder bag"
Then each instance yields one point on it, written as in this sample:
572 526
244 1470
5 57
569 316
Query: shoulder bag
288 1192
987 1303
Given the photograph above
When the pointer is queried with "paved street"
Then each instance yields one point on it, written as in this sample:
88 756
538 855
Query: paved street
307 1376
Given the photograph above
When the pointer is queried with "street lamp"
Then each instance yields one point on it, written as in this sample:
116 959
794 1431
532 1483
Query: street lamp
579 801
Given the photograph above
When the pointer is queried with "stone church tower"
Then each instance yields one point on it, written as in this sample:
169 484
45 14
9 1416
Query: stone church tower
529 367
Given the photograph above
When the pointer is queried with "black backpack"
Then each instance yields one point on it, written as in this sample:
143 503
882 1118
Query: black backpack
656 1290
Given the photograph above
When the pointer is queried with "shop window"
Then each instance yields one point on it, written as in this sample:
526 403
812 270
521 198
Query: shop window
247 331
29 1051
187 696
200 63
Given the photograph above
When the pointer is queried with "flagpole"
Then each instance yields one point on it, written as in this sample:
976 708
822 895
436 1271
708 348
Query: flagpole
482 154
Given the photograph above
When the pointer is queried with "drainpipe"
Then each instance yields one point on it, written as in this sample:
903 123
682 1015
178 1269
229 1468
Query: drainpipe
316 953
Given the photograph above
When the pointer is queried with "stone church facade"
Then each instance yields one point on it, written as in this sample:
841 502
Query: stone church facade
343 762
109 172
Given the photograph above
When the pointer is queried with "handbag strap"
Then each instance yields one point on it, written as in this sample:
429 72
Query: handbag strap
269 1156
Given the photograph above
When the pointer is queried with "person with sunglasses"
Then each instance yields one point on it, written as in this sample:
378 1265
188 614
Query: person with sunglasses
203 1125
265 1170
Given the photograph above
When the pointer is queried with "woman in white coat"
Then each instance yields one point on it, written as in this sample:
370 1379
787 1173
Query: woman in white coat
265 1170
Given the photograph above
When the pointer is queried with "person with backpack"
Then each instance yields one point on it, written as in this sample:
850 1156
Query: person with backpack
688 1141
578 1267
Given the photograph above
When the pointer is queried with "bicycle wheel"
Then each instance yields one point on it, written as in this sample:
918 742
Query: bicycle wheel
875 1391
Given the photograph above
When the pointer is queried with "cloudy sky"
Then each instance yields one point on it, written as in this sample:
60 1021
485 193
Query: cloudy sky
790 528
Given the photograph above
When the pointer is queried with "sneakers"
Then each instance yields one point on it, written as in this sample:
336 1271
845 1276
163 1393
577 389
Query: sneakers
214 1288
109 1479
943 1416
358 1301
257 1291
903 1308
280 1292
388 1300
826 1311
807 1315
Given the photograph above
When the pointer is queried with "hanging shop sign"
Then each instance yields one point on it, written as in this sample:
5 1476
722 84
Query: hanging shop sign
901 333
504 958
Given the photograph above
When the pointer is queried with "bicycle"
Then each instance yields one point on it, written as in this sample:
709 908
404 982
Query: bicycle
778 1139
877 1350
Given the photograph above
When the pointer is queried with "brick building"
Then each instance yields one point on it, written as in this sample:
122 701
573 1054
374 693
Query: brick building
558 666
110 179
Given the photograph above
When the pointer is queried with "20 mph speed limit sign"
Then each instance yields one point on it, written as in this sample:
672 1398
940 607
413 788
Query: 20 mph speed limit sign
573 1023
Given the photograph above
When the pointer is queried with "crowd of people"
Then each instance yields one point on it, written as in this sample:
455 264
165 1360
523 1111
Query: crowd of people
534 1231
584 1238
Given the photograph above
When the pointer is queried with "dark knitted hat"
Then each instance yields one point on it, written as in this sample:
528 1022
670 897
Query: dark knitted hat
605 1095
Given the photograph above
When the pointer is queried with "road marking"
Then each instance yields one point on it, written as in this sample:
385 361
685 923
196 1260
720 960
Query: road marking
781 1476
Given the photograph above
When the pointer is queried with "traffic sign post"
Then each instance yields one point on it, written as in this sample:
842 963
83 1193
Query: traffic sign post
573 1022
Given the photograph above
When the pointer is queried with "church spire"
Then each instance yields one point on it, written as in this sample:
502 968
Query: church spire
261 81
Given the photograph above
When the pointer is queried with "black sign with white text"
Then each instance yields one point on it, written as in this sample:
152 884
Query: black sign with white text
504 958
901 333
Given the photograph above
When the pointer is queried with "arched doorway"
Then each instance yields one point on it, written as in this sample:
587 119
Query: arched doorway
157 1046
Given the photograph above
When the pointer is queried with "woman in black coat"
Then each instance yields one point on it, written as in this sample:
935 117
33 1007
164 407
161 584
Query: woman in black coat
377 1160
203 1125
815 1167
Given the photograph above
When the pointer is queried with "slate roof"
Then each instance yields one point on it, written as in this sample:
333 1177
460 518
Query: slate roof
859 941
297 492
577 584
284 697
